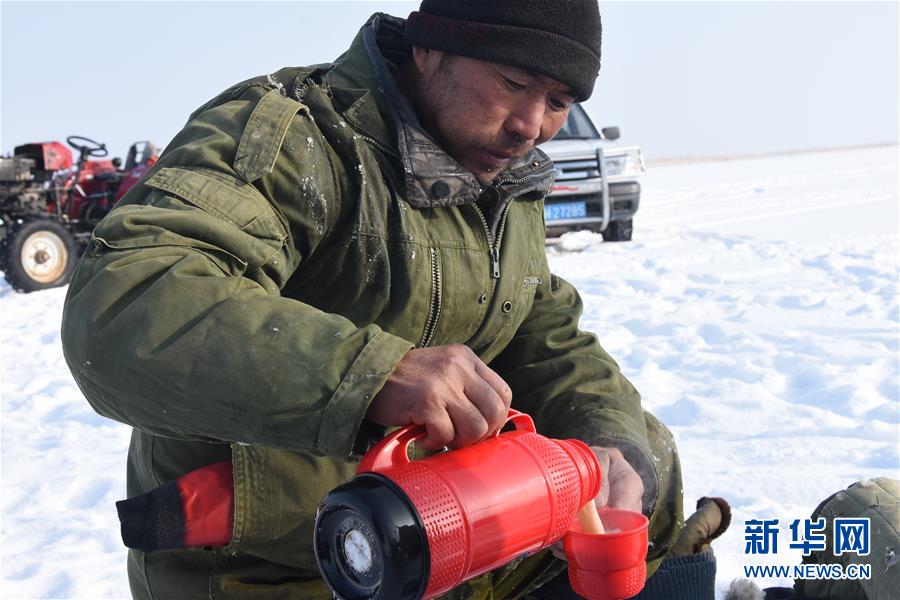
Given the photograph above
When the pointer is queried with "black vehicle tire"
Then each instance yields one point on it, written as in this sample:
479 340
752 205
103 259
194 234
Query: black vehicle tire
37 254
618 231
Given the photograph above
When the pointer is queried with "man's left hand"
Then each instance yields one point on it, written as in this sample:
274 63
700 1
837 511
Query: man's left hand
620 486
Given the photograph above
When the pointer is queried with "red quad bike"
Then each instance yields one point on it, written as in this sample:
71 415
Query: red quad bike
49 209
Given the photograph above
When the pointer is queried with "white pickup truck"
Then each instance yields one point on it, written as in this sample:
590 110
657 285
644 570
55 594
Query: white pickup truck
596 185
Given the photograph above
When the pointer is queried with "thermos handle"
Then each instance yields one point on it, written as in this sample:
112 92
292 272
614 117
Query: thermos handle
393 450
521 420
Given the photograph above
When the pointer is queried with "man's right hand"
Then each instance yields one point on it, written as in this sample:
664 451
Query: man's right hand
449 390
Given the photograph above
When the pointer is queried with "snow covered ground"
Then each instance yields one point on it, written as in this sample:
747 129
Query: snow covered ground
756 310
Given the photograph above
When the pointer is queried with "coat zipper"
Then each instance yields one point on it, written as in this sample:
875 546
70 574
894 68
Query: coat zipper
496 251
495 257
493 244
434 310
379 145
536 175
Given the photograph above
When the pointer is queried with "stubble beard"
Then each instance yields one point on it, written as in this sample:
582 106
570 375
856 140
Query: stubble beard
435 99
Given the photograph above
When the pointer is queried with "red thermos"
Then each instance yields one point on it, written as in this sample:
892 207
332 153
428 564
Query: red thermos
412 529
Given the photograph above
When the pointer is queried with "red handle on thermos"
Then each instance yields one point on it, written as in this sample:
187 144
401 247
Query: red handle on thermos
393 450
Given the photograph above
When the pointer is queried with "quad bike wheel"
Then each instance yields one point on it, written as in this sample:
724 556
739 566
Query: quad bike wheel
37 254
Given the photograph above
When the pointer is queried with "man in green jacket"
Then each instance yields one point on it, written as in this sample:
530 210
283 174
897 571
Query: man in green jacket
327 251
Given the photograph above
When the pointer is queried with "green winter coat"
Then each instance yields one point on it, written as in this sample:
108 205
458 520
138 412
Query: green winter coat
252 294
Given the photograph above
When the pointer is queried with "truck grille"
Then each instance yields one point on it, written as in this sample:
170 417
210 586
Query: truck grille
584 168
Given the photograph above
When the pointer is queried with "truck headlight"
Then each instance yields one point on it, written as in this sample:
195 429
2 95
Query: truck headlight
626 162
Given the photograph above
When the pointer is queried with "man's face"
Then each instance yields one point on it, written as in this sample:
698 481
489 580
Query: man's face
484 114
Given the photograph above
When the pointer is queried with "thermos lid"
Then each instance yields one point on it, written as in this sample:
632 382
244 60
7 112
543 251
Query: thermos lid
370 542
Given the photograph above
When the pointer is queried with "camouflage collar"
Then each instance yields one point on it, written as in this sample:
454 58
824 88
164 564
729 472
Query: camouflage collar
429 176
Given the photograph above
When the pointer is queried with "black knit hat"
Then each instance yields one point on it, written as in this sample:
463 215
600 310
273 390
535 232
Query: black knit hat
556 38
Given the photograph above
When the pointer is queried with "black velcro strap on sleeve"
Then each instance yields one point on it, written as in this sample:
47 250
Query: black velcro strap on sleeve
369 435
153 521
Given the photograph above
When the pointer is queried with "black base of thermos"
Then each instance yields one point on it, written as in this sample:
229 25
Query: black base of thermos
370 542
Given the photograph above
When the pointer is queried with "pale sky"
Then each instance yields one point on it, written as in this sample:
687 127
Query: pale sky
679 78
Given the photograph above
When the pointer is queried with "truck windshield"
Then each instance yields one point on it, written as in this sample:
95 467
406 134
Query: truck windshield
577 127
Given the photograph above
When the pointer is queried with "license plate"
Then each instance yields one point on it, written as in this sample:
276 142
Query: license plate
565 210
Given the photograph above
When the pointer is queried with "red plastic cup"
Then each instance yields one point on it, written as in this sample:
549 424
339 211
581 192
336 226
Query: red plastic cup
611 566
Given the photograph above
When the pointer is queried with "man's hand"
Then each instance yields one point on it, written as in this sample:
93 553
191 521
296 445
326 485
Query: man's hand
449 390
621 486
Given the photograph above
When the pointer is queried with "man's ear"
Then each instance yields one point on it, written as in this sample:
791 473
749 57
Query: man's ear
425 59
420 56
